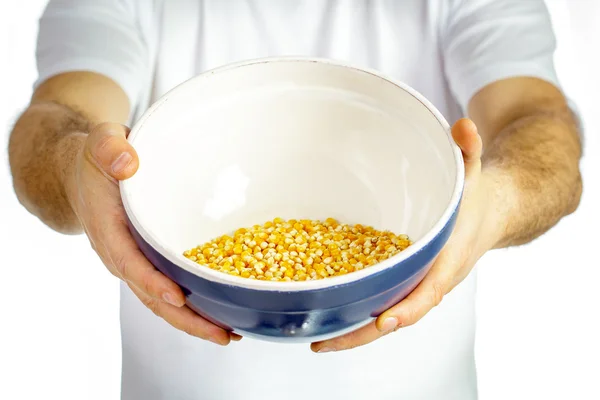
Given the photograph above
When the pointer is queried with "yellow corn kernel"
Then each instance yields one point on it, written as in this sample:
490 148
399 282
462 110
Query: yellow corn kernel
237 249
298 250
218 253
239 265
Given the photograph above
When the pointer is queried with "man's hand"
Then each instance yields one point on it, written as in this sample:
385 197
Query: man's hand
477 230
93 192
68 178
526 180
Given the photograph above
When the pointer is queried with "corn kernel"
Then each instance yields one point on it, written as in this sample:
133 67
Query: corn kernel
298 250
239 265
237 249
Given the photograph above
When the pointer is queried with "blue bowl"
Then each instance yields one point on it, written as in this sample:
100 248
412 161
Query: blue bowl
294 138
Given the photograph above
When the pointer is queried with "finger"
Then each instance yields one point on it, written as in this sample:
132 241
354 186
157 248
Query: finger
184 319
235 337
467 138
108 148
133 267
360 337
427 295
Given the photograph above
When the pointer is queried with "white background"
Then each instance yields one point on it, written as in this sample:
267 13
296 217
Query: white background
538 330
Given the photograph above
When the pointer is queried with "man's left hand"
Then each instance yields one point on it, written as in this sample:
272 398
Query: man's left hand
477 230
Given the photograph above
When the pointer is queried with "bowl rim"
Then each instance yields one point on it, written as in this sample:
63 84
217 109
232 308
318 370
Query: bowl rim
295 286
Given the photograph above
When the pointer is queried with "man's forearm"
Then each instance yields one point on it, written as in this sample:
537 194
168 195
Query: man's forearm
42 149
532 167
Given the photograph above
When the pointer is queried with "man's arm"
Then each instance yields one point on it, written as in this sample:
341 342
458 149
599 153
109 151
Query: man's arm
521 177
531 153
530 141
51 132
522 169
66 160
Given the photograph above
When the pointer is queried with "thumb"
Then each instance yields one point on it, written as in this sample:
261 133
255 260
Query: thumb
467 138
108 148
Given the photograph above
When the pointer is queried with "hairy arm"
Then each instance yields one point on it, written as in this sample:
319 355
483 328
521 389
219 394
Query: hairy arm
51 132
521 177
67 152
531 153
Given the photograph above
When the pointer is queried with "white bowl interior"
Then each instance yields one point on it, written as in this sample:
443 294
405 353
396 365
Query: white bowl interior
294 139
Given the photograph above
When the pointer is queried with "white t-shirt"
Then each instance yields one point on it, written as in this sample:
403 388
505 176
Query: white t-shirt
446 49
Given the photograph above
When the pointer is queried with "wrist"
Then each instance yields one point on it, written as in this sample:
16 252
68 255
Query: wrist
501 199
68 151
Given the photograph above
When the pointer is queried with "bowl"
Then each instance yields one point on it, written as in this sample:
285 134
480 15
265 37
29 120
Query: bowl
292 138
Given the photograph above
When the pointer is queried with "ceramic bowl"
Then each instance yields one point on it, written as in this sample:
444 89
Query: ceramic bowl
292 138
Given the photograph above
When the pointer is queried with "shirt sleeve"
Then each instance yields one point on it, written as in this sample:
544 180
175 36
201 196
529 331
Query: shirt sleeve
99 36
489 40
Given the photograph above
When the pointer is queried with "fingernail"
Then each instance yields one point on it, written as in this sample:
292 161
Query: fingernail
121 162
325 350
389 324
235 337
169 299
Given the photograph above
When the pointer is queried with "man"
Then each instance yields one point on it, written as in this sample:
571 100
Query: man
102 61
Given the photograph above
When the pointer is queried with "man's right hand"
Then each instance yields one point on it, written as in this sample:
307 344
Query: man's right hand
93 192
